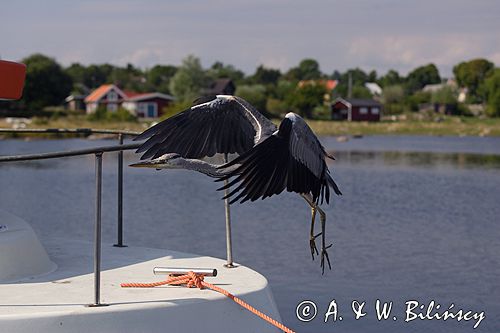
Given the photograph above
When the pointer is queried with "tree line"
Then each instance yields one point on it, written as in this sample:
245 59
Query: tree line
270 90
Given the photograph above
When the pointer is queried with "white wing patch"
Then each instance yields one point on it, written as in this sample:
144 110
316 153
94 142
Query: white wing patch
228 98
200 105
258 132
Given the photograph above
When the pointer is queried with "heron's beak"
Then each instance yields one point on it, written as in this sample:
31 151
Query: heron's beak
155 164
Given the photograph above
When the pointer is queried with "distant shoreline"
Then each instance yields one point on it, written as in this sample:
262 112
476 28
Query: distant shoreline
437 126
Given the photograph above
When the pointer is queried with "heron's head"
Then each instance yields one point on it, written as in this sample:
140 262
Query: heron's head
167 161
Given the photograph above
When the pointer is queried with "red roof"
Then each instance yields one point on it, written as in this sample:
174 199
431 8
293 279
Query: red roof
98 93
131 94
331 84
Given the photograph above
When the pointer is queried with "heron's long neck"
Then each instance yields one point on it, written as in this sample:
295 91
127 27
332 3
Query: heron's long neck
206 168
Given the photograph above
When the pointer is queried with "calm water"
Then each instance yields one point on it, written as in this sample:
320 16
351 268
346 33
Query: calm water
418 221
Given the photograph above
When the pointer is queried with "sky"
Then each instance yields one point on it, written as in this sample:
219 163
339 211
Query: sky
370 34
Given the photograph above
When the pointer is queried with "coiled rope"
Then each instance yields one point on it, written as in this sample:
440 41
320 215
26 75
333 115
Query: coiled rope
193 280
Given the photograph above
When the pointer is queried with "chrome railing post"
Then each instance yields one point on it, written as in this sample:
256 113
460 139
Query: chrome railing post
119 242
97 231
229 246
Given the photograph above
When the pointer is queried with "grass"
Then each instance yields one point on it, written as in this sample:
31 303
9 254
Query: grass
409 124
444 125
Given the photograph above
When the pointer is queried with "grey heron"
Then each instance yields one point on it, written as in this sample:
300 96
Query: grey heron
270 159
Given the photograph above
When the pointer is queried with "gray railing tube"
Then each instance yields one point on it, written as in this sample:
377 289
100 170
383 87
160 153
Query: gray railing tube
97 230
119 242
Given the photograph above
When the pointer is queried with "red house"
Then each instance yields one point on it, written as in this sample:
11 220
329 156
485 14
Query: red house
353 109
148 105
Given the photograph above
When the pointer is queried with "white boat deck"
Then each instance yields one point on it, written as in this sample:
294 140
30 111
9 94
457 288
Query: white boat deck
56 302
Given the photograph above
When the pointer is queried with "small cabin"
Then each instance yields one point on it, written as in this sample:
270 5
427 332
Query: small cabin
353 109
75 102
221 87
148 105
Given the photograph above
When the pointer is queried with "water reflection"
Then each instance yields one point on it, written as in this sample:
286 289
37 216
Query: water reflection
418 159
409 226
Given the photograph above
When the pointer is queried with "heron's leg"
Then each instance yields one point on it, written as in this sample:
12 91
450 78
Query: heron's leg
312 237
324 253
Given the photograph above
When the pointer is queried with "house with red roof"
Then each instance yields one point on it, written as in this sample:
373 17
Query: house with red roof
107 95
142 105
355 109
147 105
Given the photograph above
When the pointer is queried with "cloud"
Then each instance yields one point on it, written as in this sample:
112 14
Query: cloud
405 52
339 34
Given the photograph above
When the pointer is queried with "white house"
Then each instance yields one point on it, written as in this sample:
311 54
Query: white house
374 88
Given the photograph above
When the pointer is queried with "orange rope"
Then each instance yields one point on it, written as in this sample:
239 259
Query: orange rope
193 280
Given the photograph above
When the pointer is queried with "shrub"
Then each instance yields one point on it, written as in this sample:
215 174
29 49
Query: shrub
121 115
175 108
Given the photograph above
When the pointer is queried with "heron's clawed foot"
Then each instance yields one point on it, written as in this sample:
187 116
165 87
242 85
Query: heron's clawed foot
324 255
312 244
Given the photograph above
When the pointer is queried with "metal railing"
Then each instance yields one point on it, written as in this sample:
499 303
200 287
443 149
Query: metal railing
98 152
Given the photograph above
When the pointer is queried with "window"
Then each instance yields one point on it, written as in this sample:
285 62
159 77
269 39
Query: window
363 110
112 96
375 110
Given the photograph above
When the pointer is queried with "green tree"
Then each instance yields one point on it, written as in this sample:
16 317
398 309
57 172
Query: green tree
445 95
471 74
276 107
422 76
77 72
336 75
390 79
46 82
358 79
393 94
128 77
284 88
359 91
306 98
418 98
220 71
358 76
90 76
265 75
393 99
492 92
189 80
308 69
159 76
372 76
255 94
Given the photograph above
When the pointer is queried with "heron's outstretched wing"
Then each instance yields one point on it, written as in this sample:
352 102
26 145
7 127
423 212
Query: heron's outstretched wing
225 124
292 158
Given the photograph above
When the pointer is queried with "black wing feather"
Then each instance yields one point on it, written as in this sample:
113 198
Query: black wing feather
219 126
271 167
